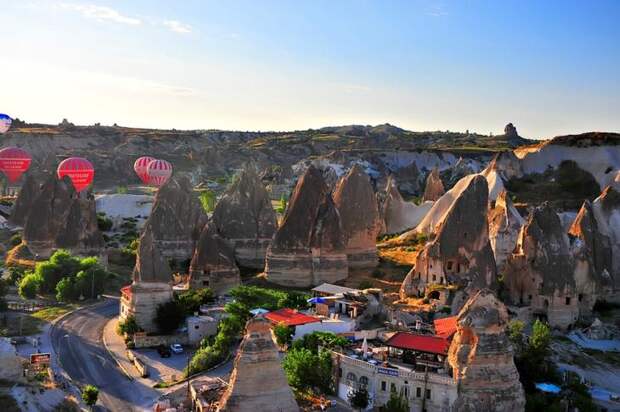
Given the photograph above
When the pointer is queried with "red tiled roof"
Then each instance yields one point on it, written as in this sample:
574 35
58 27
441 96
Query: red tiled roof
421 343
290 317
445 327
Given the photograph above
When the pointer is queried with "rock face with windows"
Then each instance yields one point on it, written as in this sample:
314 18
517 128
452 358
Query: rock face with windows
504 225
151 286
482 360
213 264
542 273
244 216
258 382
61 218
177 219
357 206
460 255
308 248
434 187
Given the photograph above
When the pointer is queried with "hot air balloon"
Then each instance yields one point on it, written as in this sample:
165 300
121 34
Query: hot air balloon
158 171
14 162
79 170
5 123
140 166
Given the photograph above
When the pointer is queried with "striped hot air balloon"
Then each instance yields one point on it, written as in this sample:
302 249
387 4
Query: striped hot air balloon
158 171
14 162
140 166
80 171
5 123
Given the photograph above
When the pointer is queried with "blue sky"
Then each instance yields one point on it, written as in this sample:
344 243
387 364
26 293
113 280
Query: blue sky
550 67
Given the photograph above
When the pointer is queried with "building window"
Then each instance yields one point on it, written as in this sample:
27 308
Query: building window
529 297
434 278
580 297
406 392
383 385
340 372
363 381
568 300
392 387
205 283
418 392
450 265
196 327
351 377
428 394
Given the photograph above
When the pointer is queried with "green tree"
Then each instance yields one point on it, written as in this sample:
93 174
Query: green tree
66 290
191 300
358 398
16 273
283 333
282 206
328 340
396 403
306 370
129 326
169 316
30 285
207 200
515 334
90 394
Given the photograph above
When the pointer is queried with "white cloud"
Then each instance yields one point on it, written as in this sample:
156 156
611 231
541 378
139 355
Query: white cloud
177 27
101 13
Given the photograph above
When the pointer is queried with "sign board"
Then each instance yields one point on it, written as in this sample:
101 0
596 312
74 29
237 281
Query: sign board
388 371
40 358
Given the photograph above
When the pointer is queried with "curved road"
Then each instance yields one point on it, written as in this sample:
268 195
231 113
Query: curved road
77 341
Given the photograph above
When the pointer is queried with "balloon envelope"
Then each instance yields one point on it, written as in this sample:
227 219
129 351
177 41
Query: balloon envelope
14 162
140 166
5 123
80 171
158 171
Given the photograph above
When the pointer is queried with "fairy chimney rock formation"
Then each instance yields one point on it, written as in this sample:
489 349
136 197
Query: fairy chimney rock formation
397 214
481 358
598 228
61 218
434 187
541 271
359 213
25 200
213 264
460 253
245 217
258 382
504 226
308 248
176 220
151 285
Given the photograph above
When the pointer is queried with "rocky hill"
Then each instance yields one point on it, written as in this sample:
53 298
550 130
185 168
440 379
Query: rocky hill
212 154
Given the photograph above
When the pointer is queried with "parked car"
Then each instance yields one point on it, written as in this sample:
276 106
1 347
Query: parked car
176 348
163 351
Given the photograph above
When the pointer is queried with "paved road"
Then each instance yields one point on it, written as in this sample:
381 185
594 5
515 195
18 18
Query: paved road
77 341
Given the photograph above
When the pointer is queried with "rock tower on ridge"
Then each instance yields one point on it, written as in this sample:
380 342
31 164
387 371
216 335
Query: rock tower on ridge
359 213
308 248
482 360
246 218
213 264
434 187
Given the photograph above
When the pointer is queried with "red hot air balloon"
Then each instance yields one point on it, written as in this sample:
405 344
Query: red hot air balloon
140 166
14 162
158 171
79 170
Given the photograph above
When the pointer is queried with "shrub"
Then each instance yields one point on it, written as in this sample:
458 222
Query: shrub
129 326
15 240
191 300
207 200
306 370
365 284
359 398
30 285
283 333
90 394
66 290
104 223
